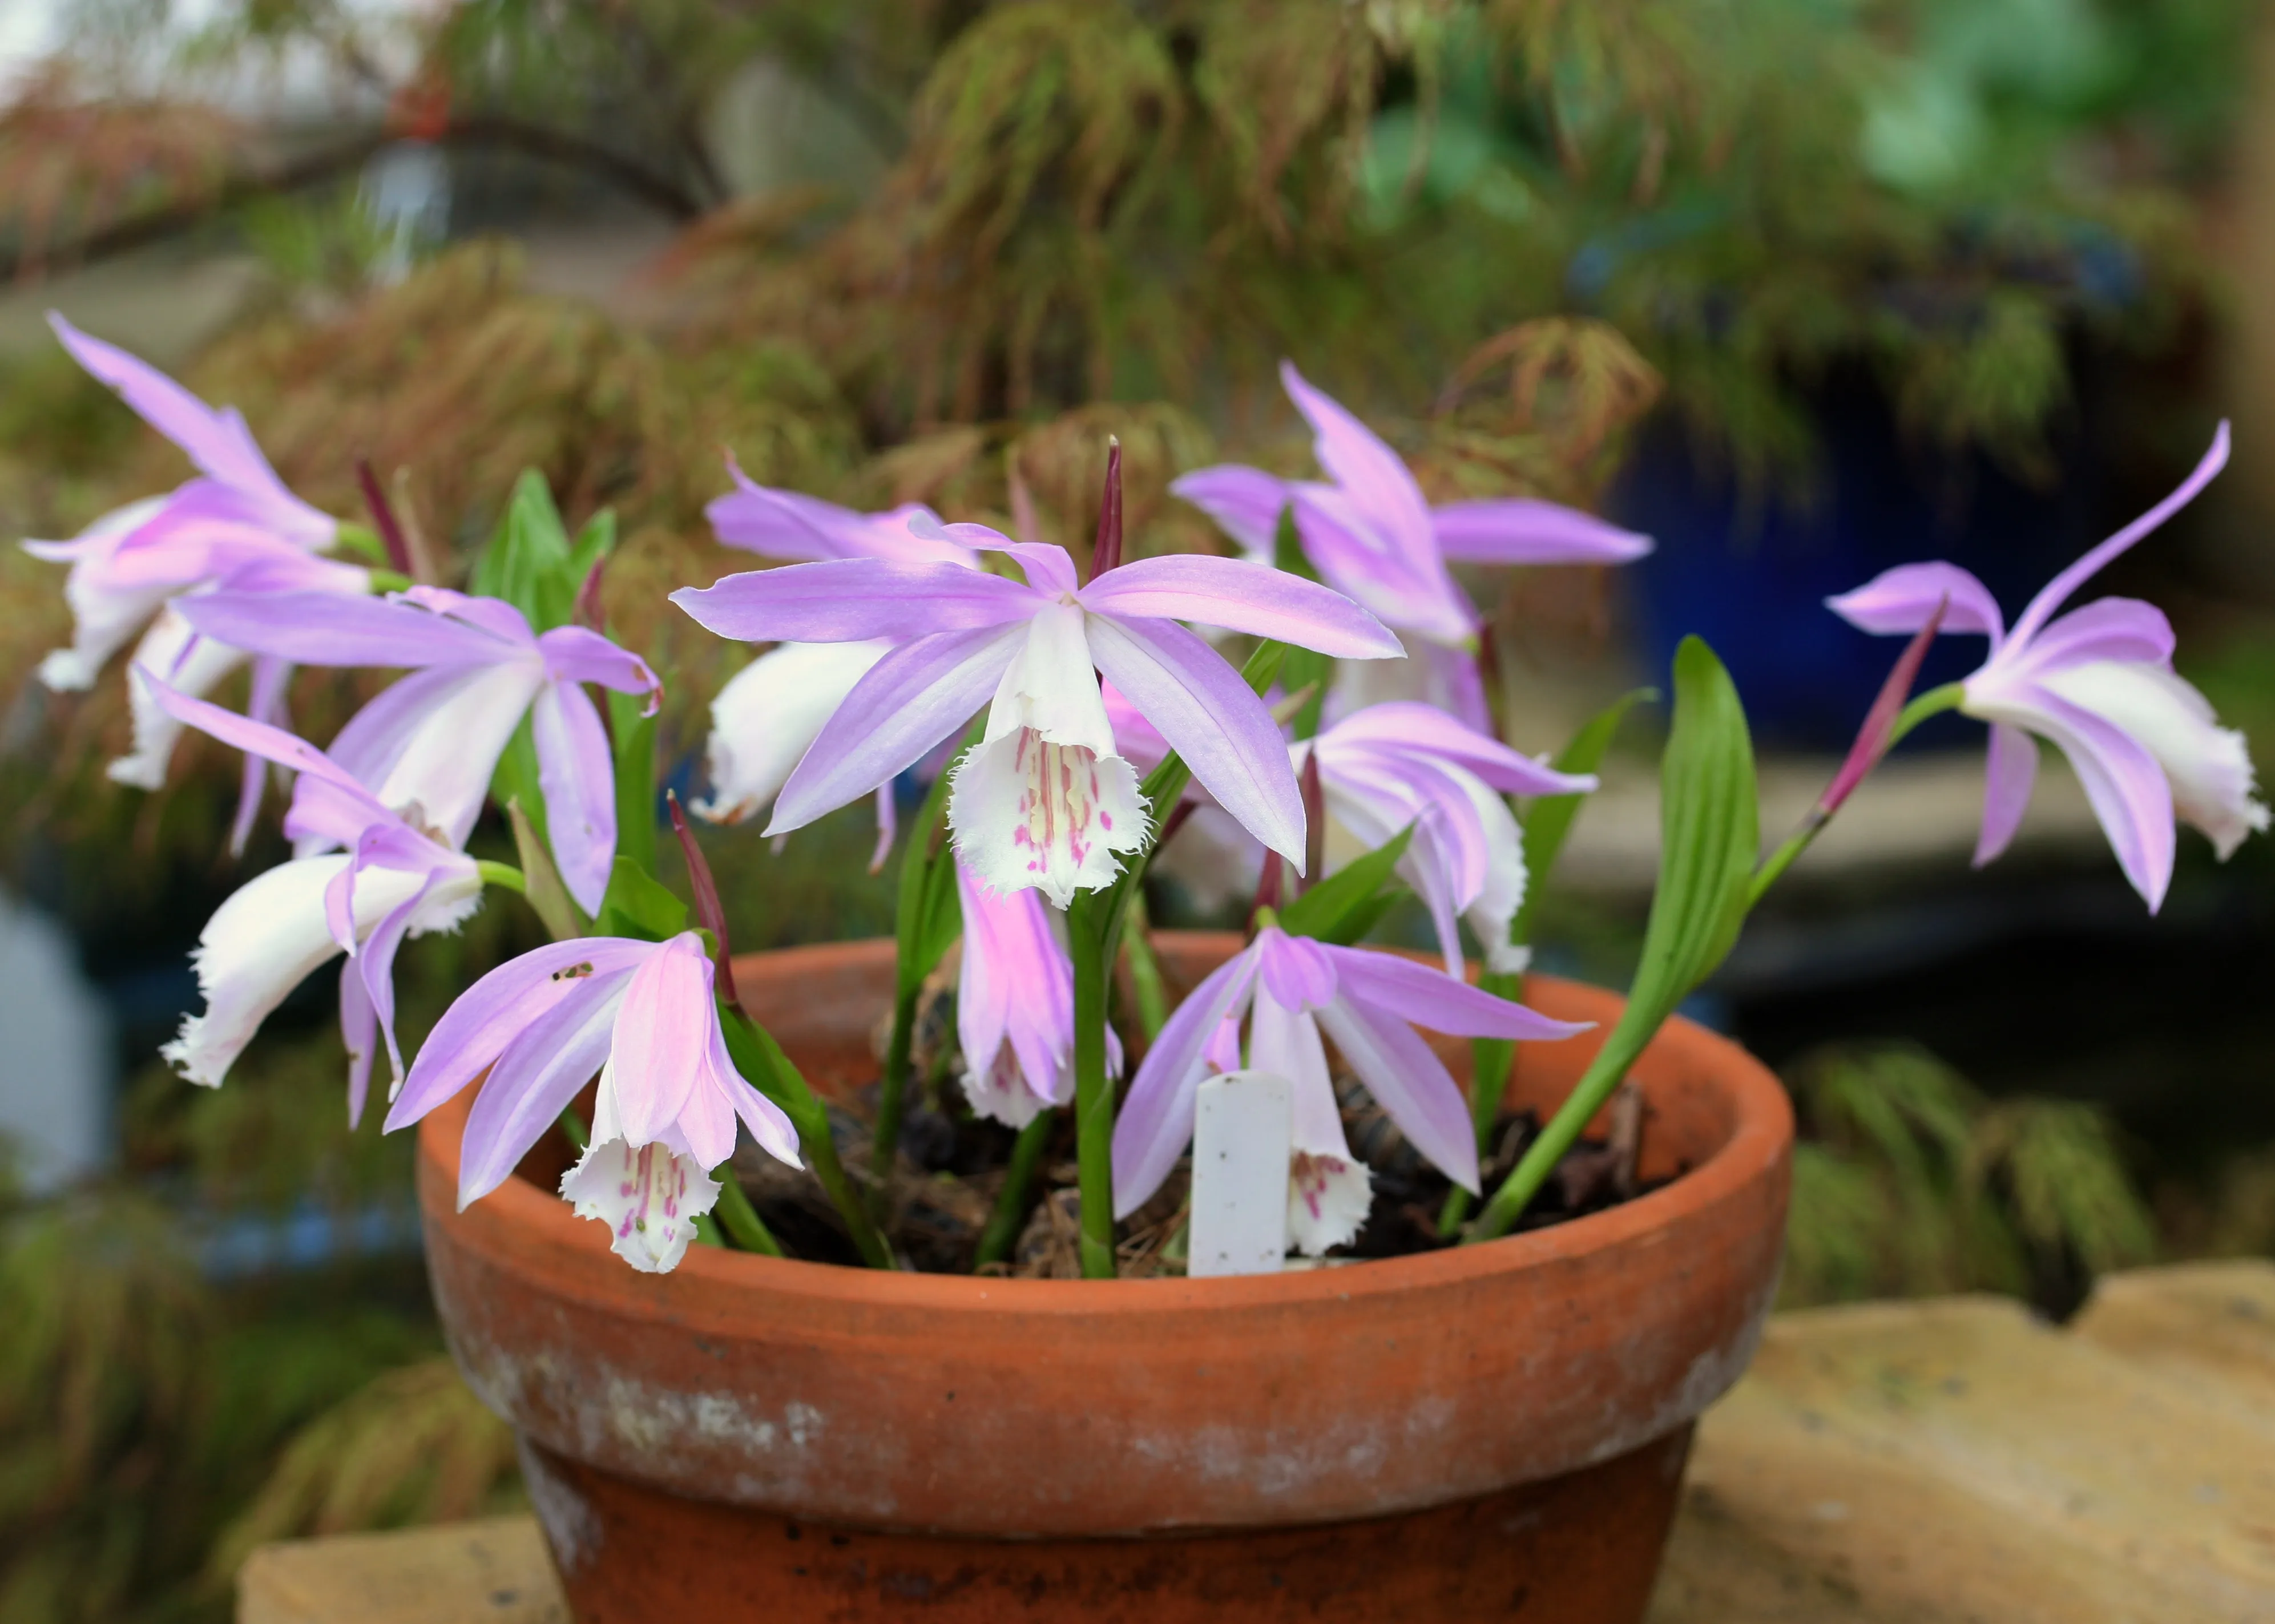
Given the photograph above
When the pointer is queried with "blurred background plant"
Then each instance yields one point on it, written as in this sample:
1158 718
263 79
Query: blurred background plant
919 249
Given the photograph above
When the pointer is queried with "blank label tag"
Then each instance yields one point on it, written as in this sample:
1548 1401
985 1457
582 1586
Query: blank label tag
1243 1125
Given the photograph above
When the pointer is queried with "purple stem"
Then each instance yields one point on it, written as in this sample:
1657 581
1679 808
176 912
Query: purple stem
383 515
709 913
1106 553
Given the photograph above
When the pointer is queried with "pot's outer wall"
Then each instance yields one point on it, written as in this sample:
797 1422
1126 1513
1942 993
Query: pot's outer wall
1063 1409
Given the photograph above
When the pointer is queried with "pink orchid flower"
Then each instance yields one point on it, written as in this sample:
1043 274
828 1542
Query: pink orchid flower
1294 990
1044 801
642 1014
770 712
389 880
2098 682
1390 765
235 523
1015 1006
430 744
1371 533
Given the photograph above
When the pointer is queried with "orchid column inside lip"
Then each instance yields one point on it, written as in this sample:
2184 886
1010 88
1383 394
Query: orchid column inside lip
1045 801
2098 682
430 744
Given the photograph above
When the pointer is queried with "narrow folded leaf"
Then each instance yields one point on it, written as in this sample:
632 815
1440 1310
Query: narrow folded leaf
639 906
549 898
1340 907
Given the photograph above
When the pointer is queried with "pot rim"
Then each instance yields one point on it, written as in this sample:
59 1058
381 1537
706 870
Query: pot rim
1760 1134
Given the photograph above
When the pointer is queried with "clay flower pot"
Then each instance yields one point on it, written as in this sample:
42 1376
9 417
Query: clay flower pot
1487 1432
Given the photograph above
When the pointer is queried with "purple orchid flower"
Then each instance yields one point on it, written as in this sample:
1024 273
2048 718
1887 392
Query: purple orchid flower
1015 1006
770 712
1294 990
430 744
2100 683
790 524
1044 801
389 880
643 1016
1390 765
234 525
1371 534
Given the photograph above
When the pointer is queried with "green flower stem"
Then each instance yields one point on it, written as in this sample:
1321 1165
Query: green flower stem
1492 1058
573 1130
503 875
706 1231
739 1219
927 887
892 1093
759 1058
1013 1201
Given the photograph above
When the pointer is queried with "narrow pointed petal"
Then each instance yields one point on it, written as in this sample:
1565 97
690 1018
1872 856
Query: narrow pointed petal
336 628
790 524
1901 601
1241 596
1212 720
577 776
254 736
2057 591
1409 1082
1356 458
2010 771
2126 787
768 1124
1284 1040
854 599
768 714
217 442
1404 726
1521 530
1245 503
264 704
1424 997
574 654
649 1198
1156 1123
909 701
543 1068
2108 628
1403 582
485 1017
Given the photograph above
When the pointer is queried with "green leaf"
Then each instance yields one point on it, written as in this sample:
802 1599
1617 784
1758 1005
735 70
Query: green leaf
1343 907
639 905
1549 819
518 779
1710 836
633 751
595 542
529 562
541 880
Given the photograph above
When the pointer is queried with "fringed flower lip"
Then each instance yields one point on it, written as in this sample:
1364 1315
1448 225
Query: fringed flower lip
1044 800
2098 682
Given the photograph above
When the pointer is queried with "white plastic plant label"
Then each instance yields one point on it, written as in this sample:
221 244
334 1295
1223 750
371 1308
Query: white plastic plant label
1242 1129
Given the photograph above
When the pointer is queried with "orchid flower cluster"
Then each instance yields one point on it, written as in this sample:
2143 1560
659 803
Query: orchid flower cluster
1066 721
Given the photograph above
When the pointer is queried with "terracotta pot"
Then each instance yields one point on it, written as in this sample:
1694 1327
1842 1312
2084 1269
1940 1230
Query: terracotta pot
1487 1432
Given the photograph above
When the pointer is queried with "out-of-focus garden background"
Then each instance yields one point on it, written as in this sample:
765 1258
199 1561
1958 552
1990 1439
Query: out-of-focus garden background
1804 288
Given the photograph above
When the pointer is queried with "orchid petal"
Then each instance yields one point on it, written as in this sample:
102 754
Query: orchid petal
1211 718
2057 591
649 1195
2108 628
2207 766
909 701
1284 1040
442 775
1404 583
2126 787
1409 1082
484 1018
543 1068
1421 996
578 777
190 666
1904 599
265 703
258 739
1523 531
659 1045
359 1033
1356 458
1156 1121
1245 503
574 654
2010 771
1241 596
853 600
336 628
